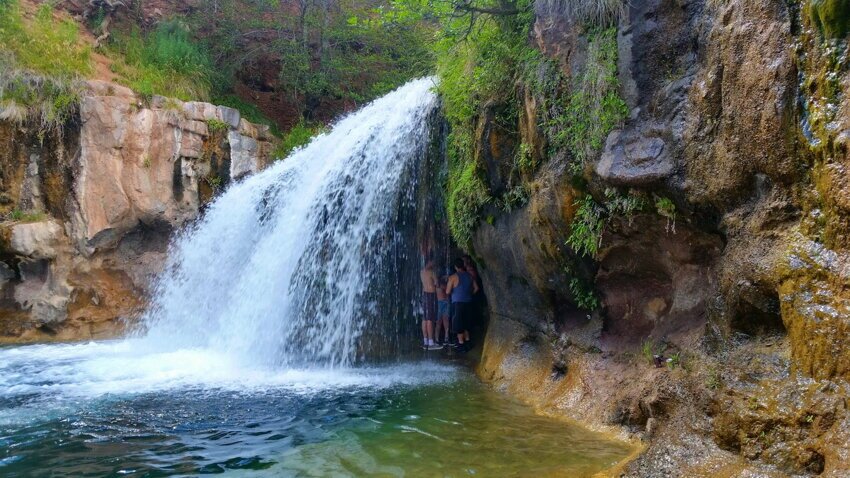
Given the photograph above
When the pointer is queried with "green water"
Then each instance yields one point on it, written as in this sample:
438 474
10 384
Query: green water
460 429
116 410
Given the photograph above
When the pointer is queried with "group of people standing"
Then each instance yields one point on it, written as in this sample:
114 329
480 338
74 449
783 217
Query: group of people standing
450 304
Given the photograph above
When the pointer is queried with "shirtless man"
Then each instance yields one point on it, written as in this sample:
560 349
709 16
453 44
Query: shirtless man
429 302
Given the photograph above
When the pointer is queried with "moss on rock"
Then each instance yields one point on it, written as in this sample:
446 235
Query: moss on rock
831 17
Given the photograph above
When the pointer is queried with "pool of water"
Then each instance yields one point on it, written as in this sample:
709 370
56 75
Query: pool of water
109 409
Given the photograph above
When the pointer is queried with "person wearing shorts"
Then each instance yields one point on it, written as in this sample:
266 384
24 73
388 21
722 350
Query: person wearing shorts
443 311
461 287
429 303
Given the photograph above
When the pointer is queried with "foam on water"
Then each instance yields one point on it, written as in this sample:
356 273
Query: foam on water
37 382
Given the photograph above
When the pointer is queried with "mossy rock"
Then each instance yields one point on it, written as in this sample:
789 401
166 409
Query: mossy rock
831 17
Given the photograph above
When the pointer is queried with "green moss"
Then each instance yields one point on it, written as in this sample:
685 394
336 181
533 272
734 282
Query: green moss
831 17
468 196
26 216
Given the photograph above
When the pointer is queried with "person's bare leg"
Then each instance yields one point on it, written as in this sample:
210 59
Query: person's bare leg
429 331
425 332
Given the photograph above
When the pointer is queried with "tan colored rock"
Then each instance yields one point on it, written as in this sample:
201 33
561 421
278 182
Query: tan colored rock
118 183
39 240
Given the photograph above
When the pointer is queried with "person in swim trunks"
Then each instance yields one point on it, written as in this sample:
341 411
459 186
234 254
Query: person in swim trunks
429 302
443 307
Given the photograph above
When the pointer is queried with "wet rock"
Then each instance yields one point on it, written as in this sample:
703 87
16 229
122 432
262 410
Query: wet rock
632 160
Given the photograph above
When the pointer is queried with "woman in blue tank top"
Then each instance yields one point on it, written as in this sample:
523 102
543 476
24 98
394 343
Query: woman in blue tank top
461 288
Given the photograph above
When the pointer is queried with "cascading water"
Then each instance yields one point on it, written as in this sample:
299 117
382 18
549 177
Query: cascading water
282 267
242 361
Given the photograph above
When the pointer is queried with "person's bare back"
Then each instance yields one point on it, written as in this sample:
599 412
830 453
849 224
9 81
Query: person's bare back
429 278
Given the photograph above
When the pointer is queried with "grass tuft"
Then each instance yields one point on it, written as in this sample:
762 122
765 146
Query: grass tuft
593 13
165 61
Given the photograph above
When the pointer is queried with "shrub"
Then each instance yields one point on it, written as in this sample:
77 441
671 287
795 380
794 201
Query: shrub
594 13
217 126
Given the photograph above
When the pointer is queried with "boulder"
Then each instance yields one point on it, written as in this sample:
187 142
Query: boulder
38 240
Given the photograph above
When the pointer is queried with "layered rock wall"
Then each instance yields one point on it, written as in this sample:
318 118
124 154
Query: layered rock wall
89 208
734 268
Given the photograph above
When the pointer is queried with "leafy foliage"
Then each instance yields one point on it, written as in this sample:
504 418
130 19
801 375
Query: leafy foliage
623 205
477 66
584 296
586 228
329 51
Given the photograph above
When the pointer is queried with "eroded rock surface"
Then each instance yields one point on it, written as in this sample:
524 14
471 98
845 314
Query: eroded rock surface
89 209
734 269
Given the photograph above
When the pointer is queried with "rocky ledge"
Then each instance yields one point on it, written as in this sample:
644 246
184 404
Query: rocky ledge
89 207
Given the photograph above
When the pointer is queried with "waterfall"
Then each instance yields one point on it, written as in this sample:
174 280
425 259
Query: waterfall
293 266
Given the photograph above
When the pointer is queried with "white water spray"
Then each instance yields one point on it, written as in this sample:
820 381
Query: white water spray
278 271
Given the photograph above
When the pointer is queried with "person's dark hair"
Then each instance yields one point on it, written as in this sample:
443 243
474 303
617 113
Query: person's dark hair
459 264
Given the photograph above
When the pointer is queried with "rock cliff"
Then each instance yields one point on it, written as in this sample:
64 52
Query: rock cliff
89 207
731 264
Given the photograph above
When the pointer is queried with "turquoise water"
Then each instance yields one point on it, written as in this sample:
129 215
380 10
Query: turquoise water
63 414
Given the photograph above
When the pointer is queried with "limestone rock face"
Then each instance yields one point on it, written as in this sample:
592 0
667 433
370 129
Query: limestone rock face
108 191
